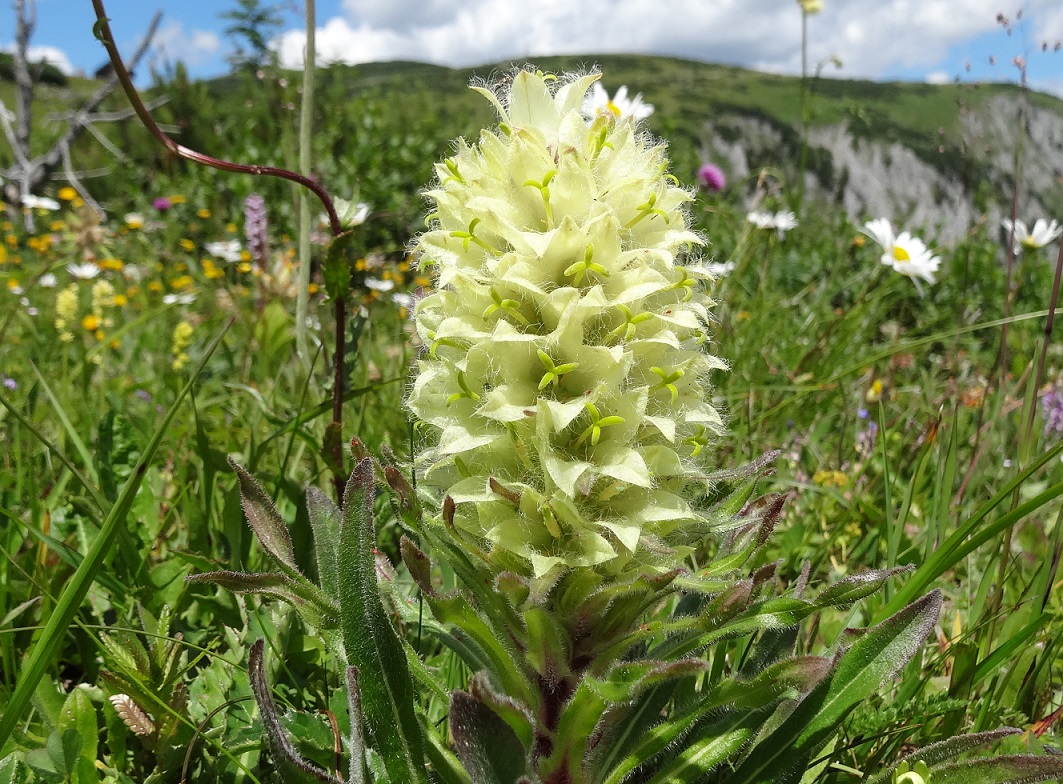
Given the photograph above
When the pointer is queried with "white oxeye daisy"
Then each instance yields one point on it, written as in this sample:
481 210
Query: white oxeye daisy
39 203
781 221
47 281
907 255
178 299
1042 234
227 250
620 107
86 271
376 284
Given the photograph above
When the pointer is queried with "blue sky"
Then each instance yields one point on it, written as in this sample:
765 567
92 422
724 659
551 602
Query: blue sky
917 40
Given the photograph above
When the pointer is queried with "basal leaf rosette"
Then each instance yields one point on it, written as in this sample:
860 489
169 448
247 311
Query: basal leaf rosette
563 383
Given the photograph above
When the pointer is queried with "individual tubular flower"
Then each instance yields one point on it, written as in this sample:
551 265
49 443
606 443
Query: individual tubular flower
1043 233
907 255
563 386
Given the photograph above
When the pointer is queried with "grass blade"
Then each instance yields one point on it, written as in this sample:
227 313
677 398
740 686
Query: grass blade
47 646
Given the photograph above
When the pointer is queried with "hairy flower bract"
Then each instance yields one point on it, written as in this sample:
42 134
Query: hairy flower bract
563 384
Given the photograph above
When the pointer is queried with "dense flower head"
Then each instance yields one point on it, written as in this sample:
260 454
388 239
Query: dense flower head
712 177
563 385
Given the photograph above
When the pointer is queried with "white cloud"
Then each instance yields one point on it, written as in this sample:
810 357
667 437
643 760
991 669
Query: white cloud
938 77
51 54
873 39
173 42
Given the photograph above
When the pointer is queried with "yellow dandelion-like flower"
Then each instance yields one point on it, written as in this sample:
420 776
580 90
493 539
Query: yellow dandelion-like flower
231 228
112 264
187 244
57 225
182 282
825 478
244 266
178 199
11 240
120 300
874 392
211 270
155 286
203 213
67 193
312 288
91 322
3 255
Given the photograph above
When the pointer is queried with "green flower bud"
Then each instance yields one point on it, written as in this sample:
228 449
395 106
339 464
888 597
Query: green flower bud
565 342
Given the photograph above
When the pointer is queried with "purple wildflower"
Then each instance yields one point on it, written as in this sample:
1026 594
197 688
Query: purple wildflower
865 440
143 394
1052 408
10 383
255 227
161 204
712 177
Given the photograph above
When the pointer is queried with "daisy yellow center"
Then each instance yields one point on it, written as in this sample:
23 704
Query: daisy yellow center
1030 242
613 109
900 254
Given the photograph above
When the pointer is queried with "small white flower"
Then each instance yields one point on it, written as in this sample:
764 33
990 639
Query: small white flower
134 220
178 299
762 219
39 202
133 272
16 290
47 281
227 250
719 269
620 107
784 221
351 213
403 300
30 310
907 255
379 285
86 271
1042 234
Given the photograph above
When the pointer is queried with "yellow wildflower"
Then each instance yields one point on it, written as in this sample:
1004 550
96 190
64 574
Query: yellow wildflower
120 300
111 264
3 255
182 282
311 288
67 193
57 225
203 213
154 286
178 199
825 478
244 266
231 228
102 296
210 269
874 392
187 244
12 284
91 322
11 240
182 336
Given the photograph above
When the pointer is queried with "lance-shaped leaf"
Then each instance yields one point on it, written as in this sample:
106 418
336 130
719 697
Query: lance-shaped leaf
873 659
293 765
265 520
356 746
853 588
793 677
582 715
313 606
718 743
517 716
325 523
485 744
371 643
548 645
946 749
1013 769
